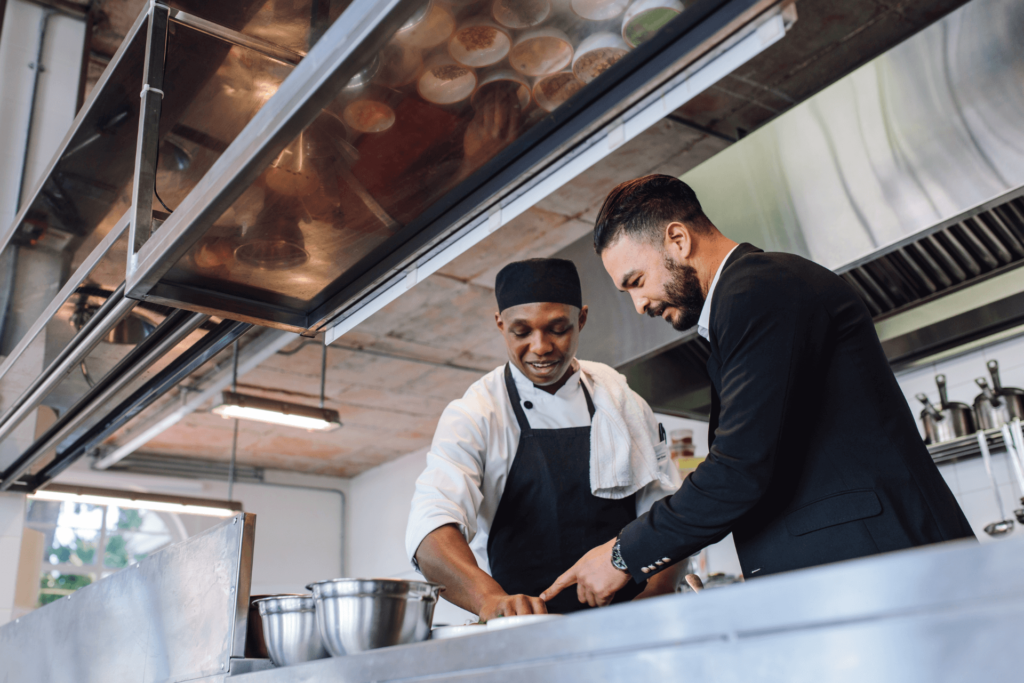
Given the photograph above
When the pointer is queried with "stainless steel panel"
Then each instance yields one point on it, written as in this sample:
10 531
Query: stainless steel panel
929 130
177 615
943 613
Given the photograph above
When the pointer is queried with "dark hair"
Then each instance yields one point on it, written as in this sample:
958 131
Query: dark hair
641 208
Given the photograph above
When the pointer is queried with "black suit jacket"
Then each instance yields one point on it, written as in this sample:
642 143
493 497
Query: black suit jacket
815 454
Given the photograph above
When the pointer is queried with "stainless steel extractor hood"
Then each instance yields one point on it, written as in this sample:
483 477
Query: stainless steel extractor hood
236 164
357 164
904 176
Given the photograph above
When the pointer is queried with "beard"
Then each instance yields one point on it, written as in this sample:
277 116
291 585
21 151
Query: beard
683 293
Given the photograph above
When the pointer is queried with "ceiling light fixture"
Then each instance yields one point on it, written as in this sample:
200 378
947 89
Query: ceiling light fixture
245 407
128 500
238 406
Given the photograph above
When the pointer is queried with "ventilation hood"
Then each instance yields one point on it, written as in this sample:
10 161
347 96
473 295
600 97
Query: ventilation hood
905 177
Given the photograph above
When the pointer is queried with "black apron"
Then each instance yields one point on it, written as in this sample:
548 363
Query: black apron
548 518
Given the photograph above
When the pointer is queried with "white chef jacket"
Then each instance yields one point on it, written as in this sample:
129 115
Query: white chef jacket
474 447
704 322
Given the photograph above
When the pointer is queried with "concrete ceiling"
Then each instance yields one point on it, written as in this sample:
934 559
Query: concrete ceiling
392 376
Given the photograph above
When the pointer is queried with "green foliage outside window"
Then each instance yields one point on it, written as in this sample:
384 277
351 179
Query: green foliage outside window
56 587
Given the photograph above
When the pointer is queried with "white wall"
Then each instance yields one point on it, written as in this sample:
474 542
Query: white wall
379 504
12 520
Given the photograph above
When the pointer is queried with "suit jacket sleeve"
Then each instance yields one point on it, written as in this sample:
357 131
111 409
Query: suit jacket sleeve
766 337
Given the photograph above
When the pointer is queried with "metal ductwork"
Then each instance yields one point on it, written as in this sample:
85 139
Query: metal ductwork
975 247
905 177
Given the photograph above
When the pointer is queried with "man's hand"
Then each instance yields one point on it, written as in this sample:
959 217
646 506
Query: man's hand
445 558
510 606
597 581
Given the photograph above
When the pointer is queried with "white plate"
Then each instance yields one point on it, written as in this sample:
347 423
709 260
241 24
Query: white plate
519 620
445 632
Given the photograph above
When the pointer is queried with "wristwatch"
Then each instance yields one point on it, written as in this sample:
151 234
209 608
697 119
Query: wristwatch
617 560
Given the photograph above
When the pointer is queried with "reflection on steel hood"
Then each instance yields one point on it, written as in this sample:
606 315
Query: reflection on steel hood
909 142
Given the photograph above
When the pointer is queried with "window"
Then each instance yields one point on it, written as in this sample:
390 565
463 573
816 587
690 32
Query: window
84 542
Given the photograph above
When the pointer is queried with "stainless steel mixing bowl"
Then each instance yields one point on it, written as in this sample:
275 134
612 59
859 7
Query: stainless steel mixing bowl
290 629
356 615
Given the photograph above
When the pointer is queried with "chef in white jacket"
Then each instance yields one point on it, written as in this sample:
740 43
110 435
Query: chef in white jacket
542 459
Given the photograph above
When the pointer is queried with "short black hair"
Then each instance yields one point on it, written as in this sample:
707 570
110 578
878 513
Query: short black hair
641 208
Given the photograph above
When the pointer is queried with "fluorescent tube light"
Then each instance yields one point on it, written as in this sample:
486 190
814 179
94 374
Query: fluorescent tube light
156 503
245 407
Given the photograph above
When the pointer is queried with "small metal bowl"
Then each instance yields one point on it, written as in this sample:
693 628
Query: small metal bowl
356 615
290 629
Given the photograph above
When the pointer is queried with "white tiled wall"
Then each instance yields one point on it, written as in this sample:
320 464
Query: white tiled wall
973 489
967 478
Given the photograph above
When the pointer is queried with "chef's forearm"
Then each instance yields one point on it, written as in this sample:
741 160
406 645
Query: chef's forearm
444 557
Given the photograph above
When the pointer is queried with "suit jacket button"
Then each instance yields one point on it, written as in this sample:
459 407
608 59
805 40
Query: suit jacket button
666 559
645 570
659 562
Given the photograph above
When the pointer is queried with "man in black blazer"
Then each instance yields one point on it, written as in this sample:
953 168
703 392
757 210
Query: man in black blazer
815 455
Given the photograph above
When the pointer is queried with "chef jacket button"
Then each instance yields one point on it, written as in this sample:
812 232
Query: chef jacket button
527 405
645 570
666 559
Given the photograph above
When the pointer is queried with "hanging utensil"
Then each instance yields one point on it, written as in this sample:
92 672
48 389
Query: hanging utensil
1014 398
1013 453
1017 457
1005 525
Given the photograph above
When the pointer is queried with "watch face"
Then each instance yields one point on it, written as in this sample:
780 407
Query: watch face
617 560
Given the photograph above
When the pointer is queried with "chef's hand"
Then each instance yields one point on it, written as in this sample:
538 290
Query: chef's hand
510 606
495 124
597 580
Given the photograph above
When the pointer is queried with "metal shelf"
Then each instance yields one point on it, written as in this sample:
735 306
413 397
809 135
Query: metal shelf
966 447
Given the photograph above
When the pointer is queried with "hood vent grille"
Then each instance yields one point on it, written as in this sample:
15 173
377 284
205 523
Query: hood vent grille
949 258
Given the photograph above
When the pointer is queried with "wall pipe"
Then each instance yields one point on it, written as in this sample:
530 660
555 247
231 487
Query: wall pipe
39 68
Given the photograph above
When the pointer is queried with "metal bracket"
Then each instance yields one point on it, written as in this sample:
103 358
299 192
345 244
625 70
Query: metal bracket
147 143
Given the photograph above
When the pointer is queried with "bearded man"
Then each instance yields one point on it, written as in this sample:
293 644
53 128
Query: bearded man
814 455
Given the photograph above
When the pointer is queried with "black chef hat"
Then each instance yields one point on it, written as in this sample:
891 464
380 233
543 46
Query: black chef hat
538 280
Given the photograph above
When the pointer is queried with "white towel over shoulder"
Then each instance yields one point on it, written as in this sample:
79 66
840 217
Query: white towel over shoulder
623 437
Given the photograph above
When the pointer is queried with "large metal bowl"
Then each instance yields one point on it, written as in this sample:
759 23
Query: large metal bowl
290 629
356 615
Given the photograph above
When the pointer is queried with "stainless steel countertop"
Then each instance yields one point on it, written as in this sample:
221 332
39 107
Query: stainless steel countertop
943 613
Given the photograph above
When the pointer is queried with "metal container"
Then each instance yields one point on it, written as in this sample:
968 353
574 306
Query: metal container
290 629
997 405
356 615
951 421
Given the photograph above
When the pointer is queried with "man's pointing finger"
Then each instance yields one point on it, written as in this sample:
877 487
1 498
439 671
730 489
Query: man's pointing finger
560 584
